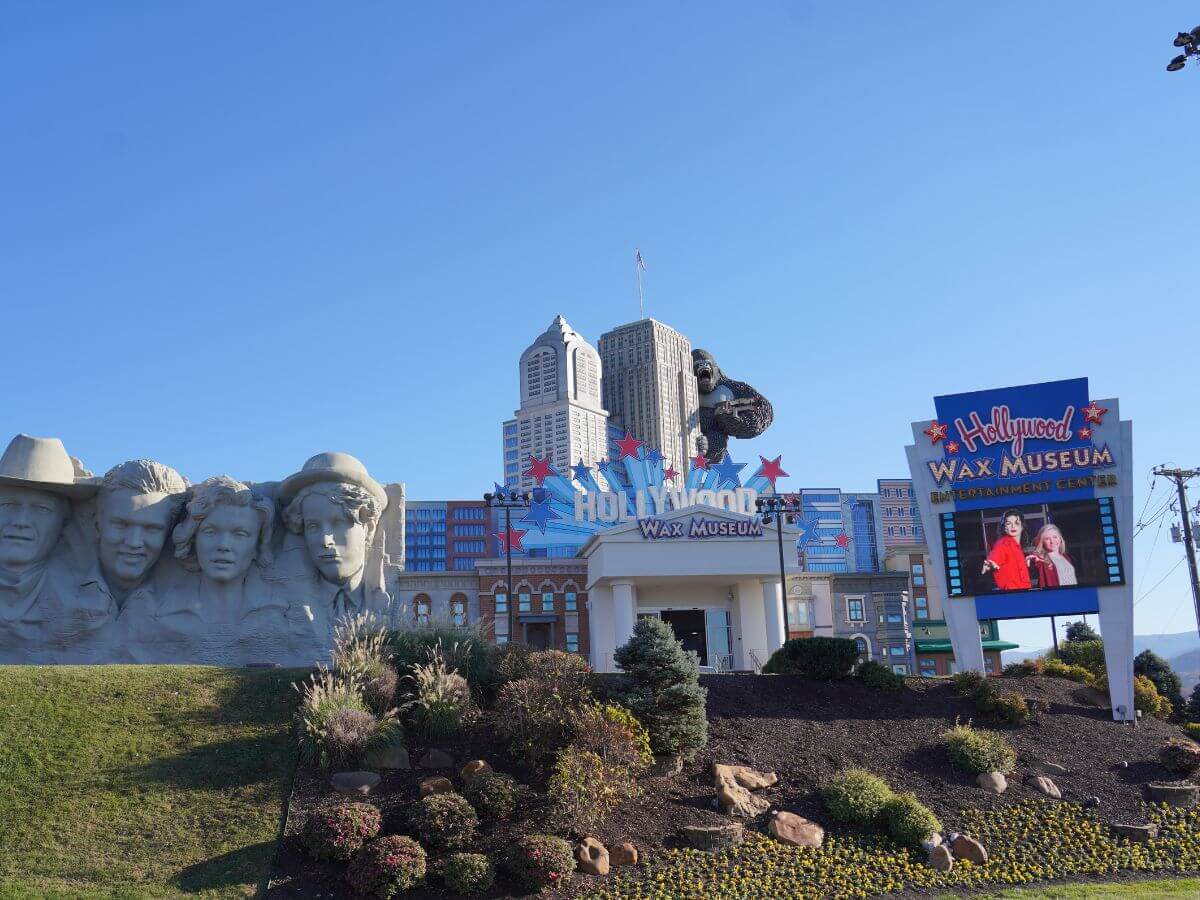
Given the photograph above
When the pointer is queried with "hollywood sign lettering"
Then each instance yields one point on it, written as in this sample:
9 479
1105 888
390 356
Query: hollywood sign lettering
1004 429
657 529
613 506
956 471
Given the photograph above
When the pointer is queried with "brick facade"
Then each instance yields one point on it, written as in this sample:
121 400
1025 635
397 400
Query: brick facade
539 610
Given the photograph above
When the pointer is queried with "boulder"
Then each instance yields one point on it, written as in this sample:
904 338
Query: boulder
436 759
993 782
1183 794
965 847
474 767
750 779
1045 785
1139 834
795 830
713 837
623 855
387 758
435 784
934 840
735 800
354 783
940 858
666 765
1049 768
592 857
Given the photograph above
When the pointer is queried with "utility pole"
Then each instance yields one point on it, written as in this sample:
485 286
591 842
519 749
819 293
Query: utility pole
1180 477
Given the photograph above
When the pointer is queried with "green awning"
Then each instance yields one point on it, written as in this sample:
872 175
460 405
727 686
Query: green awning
946 647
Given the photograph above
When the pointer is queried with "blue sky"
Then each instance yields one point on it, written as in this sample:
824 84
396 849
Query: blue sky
235 235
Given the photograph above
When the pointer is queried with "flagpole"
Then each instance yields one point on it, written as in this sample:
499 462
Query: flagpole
637 266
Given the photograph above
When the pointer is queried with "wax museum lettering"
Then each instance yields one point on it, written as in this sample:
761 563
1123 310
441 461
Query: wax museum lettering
957 471
657 529
1004 429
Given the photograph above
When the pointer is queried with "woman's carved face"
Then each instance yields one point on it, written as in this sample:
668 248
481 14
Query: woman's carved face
227 541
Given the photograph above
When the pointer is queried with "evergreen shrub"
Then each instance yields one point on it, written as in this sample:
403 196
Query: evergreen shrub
443 821
819 658
539 861
468 874
879 677
493 795
340 831
976 750
856 797
387 867
908 820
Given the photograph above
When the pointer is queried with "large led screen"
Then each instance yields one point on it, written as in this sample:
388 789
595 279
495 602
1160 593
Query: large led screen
1034 547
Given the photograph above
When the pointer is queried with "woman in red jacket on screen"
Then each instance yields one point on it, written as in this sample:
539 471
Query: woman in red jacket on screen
1007 561
1054 568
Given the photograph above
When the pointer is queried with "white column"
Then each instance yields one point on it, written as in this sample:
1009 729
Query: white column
772 598
624 599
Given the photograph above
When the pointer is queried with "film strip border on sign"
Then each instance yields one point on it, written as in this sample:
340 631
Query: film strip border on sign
954 582
1112 546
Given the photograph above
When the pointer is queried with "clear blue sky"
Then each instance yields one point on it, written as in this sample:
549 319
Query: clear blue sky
236 234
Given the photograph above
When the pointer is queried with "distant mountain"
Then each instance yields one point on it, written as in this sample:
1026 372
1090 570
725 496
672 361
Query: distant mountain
1187 666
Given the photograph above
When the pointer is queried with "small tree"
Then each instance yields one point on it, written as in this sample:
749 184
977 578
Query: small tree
1081 631
1193 709
1159 671
667 698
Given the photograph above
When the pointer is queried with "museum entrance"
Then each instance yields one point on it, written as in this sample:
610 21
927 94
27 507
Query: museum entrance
688 625
537 636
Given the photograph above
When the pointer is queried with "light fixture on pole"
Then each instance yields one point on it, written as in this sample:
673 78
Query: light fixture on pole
508 500
780 509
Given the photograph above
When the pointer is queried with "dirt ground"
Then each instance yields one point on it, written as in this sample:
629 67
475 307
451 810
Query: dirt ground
805 731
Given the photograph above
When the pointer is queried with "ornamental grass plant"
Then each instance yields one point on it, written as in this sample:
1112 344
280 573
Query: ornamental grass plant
439 698
333 724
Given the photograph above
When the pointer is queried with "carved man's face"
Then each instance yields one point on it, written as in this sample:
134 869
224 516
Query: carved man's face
133 528
227 541
336 542
30 523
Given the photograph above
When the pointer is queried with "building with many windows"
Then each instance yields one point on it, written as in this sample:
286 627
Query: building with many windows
546 607
560 416
901 518
445 535
847 531
648 383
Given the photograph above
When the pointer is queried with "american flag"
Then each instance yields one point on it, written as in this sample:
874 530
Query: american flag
641 263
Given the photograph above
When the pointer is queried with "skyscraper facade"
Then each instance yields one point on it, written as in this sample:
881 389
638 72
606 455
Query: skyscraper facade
847 531
560 416
901 519
648 383
444 535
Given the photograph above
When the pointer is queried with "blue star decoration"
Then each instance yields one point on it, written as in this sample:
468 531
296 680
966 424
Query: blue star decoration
806 532
582 471
540 513
539 495
498 488
727 471
654 456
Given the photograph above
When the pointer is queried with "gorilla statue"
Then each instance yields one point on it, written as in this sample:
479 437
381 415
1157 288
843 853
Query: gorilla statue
728 408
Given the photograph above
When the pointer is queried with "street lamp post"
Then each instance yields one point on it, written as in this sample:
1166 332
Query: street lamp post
780 509
1189 43
508 501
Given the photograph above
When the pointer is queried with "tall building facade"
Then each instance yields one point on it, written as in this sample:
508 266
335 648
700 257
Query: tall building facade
901 518
848 527
560 416
648 384
444 535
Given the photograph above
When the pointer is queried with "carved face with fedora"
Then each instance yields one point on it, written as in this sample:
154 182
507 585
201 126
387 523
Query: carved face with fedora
37 483
335 505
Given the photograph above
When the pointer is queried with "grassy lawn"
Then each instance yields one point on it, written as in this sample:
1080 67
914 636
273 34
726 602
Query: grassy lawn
1169 888
141 781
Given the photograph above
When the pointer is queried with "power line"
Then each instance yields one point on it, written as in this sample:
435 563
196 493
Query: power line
1157 583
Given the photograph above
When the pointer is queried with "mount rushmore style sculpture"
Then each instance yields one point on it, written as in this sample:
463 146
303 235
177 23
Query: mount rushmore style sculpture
138 566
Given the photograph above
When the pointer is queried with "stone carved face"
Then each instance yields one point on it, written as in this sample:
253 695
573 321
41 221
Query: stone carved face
336 541
227 541
133 528
30 523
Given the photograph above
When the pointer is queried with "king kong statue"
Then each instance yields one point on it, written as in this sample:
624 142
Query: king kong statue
728 408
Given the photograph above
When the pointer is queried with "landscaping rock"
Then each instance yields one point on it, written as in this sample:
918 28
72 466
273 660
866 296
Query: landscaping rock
474 767
436 759
435 784
387 758
592 857
940 859
354 783
1182 795
623 855
1045 785
934 840
993 782
1091 803
795 830
668 765
735 800
965 847
1139 834
1049 768
750 779
713 837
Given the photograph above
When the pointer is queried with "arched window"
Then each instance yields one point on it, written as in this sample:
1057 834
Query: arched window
422 609
863 643
458 610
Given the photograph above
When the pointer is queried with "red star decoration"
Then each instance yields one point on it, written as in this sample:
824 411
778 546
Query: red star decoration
1094 413
511 538
699 461
842 540
629 446
670 474
539 469
951 446
936 431
771 470
1085 433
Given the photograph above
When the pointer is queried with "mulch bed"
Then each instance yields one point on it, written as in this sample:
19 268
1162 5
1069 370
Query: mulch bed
805 731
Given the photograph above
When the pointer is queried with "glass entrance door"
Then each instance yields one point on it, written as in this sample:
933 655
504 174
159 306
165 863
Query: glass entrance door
689 628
